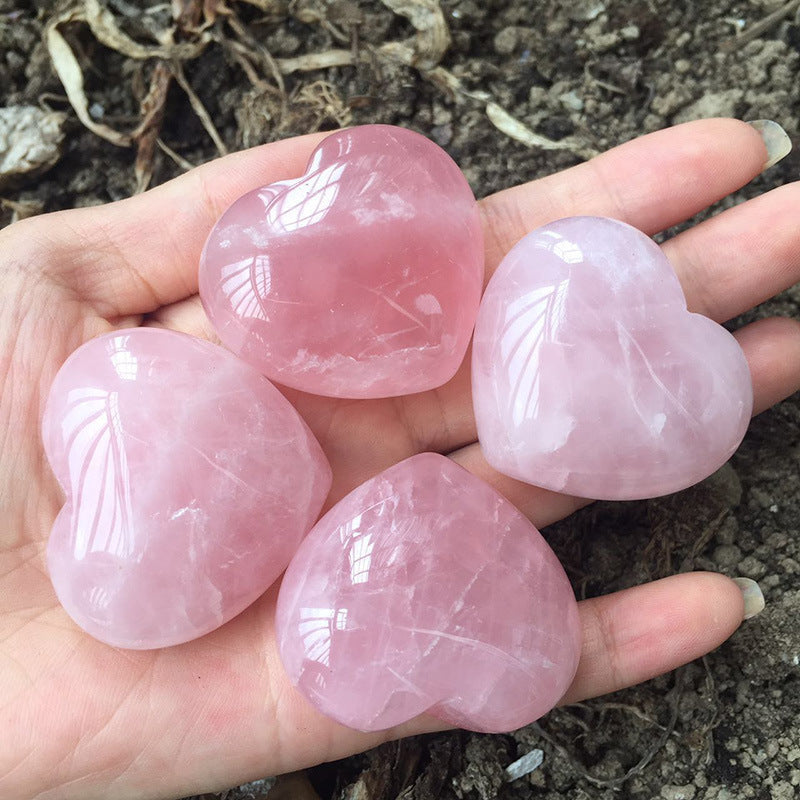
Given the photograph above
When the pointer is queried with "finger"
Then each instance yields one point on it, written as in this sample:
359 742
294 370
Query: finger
701 152
652 183
185 316
443 420
772 347
628 637
741 257
254 722
541 506
139 254
636 634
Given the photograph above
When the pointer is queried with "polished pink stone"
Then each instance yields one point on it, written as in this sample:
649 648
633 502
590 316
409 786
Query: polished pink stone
190 482
591 377
361 278
425 590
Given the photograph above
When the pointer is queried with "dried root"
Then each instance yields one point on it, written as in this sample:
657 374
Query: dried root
197 24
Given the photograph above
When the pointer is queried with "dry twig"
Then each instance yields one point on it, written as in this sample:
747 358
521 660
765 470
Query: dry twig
433 35
105 29
516 130
198 107
146 134
176 157
762 26
258 49
22 209
193 24
69 72
614 783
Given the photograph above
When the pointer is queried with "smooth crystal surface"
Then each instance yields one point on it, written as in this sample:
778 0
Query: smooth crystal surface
360 279
591 377
425 590
189 482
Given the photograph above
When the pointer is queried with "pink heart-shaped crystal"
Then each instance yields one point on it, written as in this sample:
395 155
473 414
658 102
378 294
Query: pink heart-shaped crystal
360 279
190 482
426 590
591 377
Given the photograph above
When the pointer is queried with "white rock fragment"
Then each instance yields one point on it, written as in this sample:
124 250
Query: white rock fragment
586 10
571 101
30 142
525 765
712 104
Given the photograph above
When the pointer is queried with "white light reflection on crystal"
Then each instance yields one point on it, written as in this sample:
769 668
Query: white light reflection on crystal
287 208
307 202
99 476
99 598
247 284
569 252
258 233
315 630
125 363
360 557
530 321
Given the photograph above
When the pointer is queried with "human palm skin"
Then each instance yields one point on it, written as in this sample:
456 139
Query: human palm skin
84 720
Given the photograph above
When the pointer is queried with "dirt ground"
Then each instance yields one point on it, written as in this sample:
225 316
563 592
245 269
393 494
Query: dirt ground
575 78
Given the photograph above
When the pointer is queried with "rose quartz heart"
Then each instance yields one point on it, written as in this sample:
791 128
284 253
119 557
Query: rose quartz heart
361 278
425 590
591 377
190 482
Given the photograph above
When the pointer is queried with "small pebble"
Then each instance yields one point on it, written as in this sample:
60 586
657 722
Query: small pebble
727 556
783 790
525 765
571 101
679 792
537 96
506 41
585 10
751 567
30 142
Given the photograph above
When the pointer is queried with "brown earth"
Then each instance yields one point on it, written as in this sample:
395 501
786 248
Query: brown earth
586 75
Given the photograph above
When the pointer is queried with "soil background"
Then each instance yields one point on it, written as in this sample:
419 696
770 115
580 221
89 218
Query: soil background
584 76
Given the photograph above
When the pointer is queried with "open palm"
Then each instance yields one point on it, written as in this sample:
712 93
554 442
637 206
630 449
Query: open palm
84 720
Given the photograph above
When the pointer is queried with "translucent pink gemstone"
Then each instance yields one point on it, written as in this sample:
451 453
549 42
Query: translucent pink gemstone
425 590
591 377
190 482
360 279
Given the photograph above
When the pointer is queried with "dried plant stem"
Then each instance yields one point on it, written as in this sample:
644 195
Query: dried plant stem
198 108
755 30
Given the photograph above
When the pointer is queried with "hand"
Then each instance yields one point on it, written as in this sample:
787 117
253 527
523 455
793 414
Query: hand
98 722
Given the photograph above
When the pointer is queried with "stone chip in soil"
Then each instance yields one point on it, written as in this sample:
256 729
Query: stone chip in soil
30 143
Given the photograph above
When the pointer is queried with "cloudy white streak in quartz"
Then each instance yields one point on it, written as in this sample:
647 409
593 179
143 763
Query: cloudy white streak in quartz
424 590
591 377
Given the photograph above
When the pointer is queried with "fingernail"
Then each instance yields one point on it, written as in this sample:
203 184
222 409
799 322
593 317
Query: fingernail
753 597
776 140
